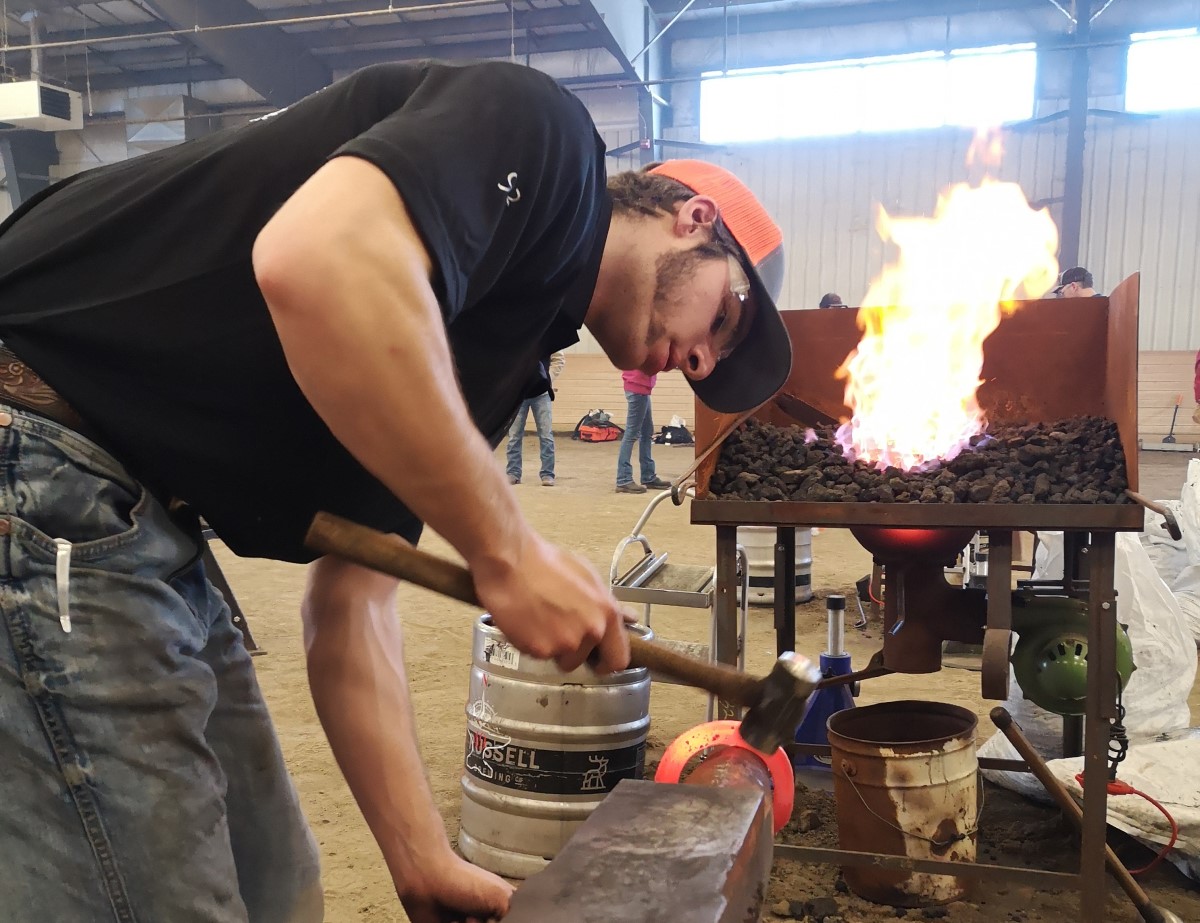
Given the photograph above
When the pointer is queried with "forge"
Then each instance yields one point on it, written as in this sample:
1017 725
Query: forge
1050 361
1047 362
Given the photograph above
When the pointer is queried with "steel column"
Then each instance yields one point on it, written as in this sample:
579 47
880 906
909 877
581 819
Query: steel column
785 589
1101 708
725 649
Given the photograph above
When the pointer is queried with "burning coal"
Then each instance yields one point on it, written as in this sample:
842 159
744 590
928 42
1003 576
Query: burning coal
1071 461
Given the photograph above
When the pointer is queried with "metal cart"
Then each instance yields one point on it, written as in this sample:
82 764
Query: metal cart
654 580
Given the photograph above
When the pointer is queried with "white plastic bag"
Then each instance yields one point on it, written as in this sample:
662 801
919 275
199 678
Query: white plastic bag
1186 586
1187 593
1178 561
1169 556
1189 517
1164 770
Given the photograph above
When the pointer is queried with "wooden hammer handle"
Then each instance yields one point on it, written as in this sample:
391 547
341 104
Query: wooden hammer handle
390 554
1008 727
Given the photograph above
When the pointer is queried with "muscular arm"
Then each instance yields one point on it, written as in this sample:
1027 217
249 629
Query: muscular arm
355 656
347 280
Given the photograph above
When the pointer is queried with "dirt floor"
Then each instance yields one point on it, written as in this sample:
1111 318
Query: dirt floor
583 513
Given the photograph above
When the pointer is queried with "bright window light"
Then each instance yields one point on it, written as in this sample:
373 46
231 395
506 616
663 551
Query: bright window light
1163 71
972 87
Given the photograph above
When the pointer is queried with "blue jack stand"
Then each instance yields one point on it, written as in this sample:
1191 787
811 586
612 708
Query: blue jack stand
833 699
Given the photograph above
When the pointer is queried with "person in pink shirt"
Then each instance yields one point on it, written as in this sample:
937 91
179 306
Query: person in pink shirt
639 428
1196 391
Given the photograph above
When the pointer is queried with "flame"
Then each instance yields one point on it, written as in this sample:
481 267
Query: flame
911 382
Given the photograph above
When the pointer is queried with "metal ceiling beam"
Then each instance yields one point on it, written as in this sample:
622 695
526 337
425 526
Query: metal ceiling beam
497 48
522 21
852 15
366 33
59 35
354 59
348 7
623 25
270 61
148 78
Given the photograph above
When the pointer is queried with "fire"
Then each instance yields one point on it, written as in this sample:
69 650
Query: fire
911 382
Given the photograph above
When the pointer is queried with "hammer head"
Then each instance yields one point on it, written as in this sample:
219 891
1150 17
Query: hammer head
772 722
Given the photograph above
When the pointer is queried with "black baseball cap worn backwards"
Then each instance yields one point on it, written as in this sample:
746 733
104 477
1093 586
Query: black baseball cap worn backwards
761 363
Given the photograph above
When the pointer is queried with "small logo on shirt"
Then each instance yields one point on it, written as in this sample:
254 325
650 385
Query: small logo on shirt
514 194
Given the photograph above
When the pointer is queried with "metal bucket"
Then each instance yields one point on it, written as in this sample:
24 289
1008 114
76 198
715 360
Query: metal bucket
905 784
543 750
759 542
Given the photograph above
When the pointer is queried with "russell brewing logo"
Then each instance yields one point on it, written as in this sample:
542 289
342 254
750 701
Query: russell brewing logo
492 757
550 772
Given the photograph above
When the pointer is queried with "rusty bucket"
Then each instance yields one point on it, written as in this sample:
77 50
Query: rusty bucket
906 784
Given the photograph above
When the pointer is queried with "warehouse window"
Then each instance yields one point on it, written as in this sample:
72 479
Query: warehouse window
971 86
1163 71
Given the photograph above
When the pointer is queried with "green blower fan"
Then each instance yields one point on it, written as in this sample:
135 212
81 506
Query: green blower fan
1050 659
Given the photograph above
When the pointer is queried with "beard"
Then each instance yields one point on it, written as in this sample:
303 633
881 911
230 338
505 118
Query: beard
671 269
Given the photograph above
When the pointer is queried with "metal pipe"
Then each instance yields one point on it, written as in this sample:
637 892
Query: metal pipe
844 857
836 614
1058 6
661 32
35 53
257 24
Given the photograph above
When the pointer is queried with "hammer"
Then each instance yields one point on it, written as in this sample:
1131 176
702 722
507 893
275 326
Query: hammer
775 702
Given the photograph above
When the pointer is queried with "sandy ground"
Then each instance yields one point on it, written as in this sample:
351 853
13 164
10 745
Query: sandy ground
584 514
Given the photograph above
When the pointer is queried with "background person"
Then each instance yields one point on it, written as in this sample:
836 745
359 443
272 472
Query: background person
639 429
542 408
1196 391
1075 283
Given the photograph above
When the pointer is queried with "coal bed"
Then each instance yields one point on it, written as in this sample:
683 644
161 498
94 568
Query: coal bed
1077 460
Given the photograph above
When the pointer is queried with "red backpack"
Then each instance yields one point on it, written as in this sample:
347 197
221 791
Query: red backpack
597 426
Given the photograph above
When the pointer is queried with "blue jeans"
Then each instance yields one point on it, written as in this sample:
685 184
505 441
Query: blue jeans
639 428
142 781
542 419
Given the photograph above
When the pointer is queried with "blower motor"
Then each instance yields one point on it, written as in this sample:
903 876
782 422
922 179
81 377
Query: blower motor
1050 658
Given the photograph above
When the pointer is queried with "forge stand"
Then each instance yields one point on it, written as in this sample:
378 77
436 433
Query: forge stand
920 613
1047 361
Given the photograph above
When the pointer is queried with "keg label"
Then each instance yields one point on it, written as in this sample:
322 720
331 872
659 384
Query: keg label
501 653
551 772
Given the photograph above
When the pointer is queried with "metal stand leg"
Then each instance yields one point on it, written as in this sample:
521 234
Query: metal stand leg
725 621
1072 739
1101 709
213 571
785 589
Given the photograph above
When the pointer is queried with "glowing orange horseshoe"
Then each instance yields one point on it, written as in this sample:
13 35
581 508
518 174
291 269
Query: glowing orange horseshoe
726 734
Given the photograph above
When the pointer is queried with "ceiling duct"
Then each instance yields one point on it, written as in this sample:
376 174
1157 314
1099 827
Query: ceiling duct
156 122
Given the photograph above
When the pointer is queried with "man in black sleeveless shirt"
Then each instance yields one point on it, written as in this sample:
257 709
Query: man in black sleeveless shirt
258 325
